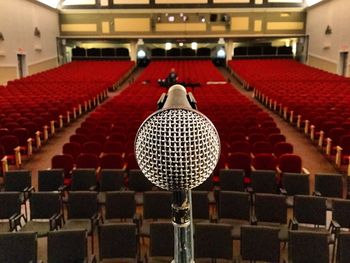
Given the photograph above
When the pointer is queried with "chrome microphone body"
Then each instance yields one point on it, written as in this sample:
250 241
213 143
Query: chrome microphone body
177 149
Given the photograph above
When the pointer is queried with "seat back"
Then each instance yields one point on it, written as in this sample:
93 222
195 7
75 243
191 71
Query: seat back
264 161
87 160
343 252
307 246
111 179
329 185
310 209
66 246
296 183
264 181
270 208
157 204
50 180
120 205
118 240
44 205
231 179
234 205
200 205
63 161
161 239
82 204
10 204
260 243
83 179
138 182
290 163
341 212
18 247
213 241
17 180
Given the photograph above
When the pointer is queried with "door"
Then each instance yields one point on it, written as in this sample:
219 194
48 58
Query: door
343 63
21 65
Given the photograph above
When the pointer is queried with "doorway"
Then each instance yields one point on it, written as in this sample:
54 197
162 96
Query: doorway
21 65
343 63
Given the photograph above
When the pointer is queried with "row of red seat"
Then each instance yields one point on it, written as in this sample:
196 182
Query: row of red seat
32 108
316 101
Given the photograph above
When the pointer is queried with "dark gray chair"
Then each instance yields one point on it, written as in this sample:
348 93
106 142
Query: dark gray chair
309 211
308 246
121 207
161 241
156 207
208 185
10 211
45 213
212 241
330 186
51 180
110 180
19 181
84 179
83 212
18 247
271 210
234 209
67 246
200 206
295 184
118 241
260 243
231 180
140 184
264 181
343 244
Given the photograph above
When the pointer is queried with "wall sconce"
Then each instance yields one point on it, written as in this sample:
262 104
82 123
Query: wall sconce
328 30
37 32
1 37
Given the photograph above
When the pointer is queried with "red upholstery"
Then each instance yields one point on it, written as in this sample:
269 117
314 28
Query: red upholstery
290 163
87 160
63 161
264 161
112 161
282 148
72 148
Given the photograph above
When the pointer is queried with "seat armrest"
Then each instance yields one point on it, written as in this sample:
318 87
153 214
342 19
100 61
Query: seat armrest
62 188
334 227
93 188
293 224
93 259
283 191
254 221
15 220
58 220
95 219
305 171
317 193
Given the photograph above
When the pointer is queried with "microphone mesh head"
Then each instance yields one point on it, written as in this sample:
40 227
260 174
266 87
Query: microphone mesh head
177 149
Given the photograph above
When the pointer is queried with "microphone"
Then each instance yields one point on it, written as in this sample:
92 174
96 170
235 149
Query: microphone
177 148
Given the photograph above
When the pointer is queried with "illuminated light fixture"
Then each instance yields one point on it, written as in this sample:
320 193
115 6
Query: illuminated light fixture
171 18
141 54
285 14
221 41
202 19
167 46
312 2
140 42
194 45
181 44
185 18
221 53
51 3
181 14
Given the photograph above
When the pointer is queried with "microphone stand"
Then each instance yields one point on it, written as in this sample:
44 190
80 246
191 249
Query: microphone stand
182 221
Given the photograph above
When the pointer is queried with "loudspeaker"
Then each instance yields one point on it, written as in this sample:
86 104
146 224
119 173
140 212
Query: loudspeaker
213 17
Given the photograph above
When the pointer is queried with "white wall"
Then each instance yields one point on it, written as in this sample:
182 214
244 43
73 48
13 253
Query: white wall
18 18
326 48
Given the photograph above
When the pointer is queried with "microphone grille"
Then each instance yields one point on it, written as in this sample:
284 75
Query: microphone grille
177 149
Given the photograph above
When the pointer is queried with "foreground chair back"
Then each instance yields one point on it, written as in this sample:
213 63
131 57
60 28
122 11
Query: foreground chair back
307 246
118 241
213 241
260 243
67 246
18 247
